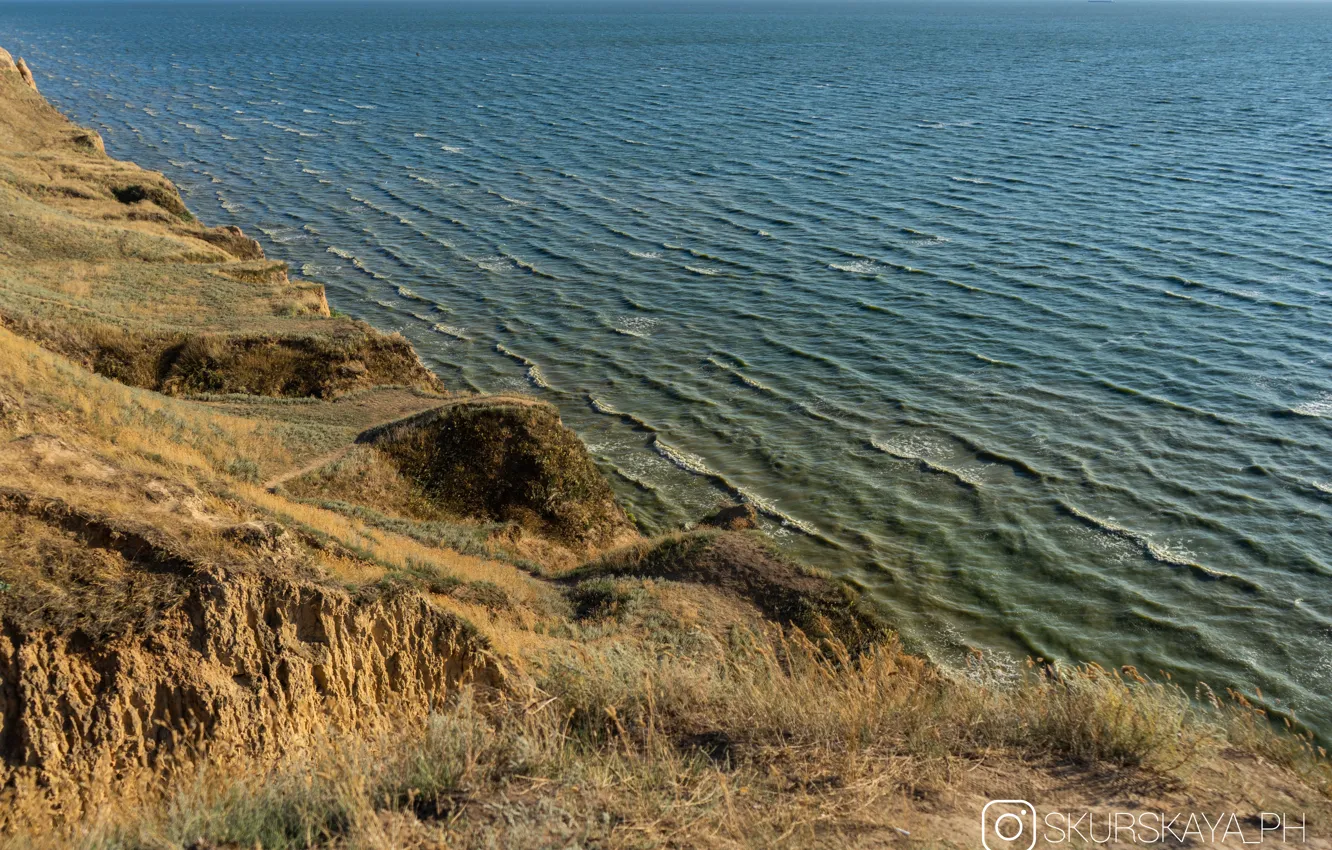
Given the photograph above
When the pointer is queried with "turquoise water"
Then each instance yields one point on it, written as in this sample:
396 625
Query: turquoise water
1018 314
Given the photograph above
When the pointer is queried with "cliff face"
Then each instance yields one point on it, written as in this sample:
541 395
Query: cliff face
241 666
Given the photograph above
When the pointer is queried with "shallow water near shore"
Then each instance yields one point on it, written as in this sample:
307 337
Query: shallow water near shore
1017 314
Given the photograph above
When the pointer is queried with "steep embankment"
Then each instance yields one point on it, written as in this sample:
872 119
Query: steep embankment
264 582
154 603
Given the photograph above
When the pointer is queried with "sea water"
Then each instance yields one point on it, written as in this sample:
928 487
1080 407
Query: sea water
1016 314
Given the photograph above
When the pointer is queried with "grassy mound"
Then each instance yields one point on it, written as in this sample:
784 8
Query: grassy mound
507 462
745 566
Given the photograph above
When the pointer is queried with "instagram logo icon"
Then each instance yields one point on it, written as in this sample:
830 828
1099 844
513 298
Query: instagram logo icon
1008 825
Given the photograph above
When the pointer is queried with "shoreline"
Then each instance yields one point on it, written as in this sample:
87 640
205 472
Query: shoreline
251 542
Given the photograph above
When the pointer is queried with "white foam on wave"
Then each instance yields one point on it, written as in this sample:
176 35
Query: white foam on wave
687 461
450 149
925 452
1319 408
344 254
534 373
856 267
741 376
707 271
356 261
1171 553
694 464
345 123
494 264
451 330
506 199
945 125
978 181
646 255
640 326
602 407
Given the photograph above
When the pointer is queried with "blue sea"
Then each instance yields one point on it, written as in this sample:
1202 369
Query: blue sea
1017 314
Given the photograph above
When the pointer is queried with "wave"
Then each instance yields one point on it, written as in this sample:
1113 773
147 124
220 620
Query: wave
606 409
685 460
514 201
976 180
740 376
356 261
494 264
694 464
703 270
534 373
866 267
646 255
450 330
639 326
602 407
450 149
1173 556
531 268
968 478
945 125
1320 408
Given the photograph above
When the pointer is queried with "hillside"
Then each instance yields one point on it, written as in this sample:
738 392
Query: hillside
265 581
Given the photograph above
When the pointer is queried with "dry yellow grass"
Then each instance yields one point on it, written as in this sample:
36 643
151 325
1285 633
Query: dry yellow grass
762 741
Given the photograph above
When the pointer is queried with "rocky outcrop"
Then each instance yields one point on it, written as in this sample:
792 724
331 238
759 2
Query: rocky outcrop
233 240
25 73
6 61
733 517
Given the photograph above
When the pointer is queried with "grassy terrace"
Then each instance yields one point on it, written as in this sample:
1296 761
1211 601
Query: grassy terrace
265 582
